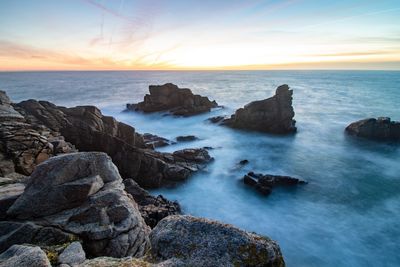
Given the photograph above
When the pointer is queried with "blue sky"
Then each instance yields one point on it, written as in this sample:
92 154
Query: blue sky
124 34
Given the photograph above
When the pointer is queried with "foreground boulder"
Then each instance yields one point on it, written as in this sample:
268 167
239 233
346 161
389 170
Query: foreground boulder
24 256
178 101
375 129
153 209
82 193
202 242
265 183
273 115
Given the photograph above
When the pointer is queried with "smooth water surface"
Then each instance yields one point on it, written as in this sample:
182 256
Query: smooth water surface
349 212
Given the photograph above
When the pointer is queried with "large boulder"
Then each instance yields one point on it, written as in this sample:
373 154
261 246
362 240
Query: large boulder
375 129
9 192
272 115
202 242
153 209
82 193
24 256
178 101
72 255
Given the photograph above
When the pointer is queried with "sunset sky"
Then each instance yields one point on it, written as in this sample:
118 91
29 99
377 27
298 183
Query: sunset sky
207 34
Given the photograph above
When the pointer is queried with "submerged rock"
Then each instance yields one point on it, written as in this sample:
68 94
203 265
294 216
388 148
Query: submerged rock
265 183
82 193
186 138
178 101
202 242
375 129
153 141
273 115
153 209
24 256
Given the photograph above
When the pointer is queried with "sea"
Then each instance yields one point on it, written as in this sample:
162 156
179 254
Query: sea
349 212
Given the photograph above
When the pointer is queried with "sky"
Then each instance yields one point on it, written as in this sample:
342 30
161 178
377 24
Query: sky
199 35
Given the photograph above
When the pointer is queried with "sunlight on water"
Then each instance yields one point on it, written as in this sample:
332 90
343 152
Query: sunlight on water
348 213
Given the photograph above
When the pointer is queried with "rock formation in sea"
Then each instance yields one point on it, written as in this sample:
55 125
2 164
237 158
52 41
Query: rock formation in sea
265 183
382 128
171 98
272 115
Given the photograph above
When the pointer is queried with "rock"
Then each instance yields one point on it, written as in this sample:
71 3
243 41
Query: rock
153 209
82 193
178 101
153 141
89 130
7 112
24 256
12 233
186 138
72 255
265 183
217 119
273 115
113 262
202 242
375 129
9 192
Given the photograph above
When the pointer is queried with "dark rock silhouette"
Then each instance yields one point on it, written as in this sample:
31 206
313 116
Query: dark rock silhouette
381 128
178 101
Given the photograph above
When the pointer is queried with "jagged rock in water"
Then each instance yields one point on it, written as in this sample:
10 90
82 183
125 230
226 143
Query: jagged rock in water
82 193
24 256
186 138
153 209
178 101
381 128
202 242
272 115
265 183
153 141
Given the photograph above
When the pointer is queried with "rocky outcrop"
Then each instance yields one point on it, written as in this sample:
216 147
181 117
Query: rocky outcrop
265 183
153 209
202 242
24 256
375 129
272 115
153 141
178 101
82 193
89 130
23 145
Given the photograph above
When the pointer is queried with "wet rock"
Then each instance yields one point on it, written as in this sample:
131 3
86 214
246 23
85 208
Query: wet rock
82 193
178 101
24 256
375 129
217 119
153 141
153 209
265 183
186 138
273 115
72 255
202 242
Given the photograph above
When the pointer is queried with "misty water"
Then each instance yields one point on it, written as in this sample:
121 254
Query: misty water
349 212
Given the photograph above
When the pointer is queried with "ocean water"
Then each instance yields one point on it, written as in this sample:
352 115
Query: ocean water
349 212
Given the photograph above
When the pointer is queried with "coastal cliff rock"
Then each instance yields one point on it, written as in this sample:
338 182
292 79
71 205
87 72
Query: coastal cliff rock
89 130
178 101
82 193
202 242
265 183
153 209
272 115
375 129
